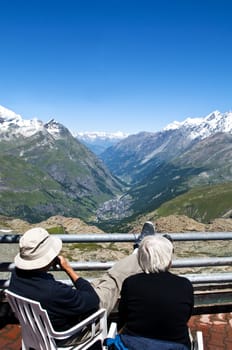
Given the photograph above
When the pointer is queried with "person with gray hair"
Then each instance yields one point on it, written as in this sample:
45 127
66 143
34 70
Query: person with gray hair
155 305
155 254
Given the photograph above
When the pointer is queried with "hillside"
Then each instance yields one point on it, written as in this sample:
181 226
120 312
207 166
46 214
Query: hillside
68 225
163 165
208 162
136 156
203 204
45 171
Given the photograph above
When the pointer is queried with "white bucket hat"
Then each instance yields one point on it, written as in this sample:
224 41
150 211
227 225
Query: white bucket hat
37 249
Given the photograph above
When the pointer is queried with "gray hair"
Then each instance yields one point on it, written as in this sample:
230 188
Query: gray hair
155 254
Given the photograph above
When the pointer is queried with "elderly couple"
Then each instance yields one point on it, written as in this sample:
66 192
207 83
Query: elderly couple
155 305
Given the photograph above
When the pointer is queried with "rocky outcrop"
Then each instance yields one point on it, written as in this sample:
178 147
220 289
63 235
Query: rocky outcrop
58 223
179 223
69 225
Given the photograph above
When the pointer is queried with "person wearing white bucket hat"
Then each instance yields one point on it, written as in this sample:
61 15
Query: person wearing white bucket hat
38 251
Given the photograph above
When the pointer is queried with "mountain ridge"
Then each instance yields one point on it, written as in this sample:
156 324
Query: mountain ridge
149 168
165 144
160 166
58 174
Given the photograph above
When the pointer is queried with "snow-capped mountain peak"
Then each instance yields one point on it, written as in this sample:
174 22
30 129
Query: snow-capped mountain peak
53 127
204 127
9 120
191 128
93 135
57 130
97 141
8 115
186 123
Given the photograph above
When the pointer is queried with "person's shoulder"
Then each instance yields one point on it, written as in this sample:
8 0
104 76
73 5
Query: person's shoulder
182 279
135 278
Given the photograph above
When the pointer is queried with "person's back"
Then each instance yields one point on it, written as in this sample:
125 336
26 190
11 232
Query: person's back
156 304
65 304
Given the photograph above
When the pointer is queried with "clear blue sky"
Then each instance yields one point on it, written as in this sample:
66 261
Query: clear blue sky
109 65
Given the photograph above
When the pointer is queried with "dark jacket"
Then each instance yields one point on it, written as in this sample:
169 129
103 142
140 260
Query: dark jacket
157 305
66 305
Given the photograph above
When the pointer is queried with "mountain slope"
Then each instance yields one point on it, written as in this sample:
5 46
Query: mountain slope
136 156
53 173
207 162
160 166
214 154
202 203
46 171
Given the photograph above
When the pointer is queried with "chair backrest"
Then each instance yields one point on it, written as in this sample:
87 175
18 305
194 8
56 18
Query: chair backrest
38 332
34 321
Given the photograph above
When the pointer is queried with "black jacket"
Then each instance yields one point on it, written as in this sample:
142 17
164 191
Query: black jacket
157 305
66 305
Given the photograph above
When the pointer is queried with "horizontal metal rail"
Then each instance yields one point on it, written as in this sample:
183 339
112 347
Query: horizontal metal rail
177 263
125 237
198 278
212 278
225 277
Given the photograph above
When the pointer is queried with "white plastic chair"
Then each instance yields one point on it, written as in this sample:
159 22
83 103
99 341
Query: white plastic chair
37 330
197 340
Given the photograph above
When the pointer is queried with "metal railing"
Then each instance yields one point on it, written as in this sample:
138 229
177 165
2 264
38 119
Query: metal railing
126 237
212 290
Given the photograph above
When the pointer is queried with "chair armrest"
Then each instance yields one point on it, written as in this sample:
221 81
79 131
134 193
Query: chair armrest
94 318
199 338
113 330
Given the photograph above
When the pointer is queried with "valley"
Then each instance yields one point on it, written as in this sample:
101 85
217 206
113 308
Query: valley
184 169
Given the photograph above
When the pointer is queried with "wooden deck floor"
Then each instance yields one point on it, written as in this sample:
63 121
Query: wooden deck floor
216 328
